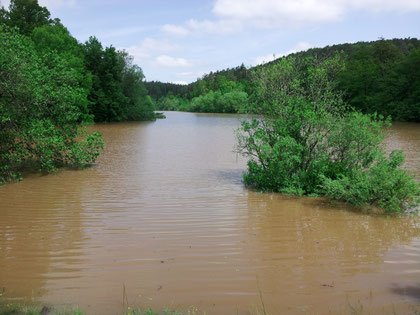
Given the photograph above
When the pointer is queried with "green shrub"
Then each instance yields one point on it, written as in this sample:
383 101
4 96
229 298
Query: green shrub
305 141
383 185
40 111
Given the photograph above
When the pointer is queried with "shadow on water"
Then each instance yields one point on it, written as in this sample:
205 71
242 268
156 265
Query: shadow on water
413 292
229 176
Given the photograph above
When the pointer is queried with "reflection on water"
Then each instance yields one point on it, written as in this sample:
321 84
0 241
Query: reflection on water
164 213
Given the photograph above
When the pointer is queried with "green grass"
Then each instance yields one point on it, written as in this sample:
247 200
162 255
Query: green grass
16 309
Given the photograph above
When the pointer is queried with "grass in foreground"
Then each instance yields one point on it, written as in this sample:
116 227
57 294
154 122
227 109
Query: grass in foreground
16 309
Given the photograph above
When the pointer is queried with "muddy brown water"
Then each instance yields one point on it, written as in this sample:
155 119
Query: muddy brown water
163 216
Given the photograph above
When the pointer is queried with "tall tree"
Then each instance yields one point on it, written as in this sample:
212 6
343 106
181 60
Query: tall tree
56 39
39 112
26 15
118 91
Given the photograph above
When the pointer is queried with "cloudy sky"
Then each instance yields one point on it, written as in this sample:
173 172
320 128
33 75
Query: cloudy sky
180 40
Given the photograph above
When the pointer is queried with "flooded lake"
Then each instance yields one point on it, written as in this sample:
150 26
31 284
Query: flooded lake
164 219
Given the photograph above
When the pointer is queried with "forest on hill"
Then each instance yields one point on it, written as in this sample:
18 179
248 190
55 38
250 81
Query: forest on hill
381 77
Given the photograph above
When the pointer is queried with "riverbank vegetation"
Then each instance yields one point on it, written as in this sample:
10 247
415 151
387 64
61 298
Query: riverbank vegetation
52 86
13 309
18 309
320 128
322 118
305 140
379 77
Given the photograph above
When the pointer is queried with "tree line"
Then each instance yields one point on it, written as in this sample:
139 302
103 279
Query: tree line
51 86
380 77
319 125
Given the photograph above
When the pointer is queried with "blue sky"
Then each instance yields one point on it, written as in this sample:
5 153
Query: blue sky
180 40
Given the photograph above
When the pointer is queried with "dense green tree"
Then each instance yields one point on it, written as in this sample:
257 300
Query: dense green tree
139 105
25 15
360 79
112 106
51 85
406 101
173 103
305 140
157 89
39 110
93 59
377 79
118 92
206 103
56 39
235 101
106 97
216 102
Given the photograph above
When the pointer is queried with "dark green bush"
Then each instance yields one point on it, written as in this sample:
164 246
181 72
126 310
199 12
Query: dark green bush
305 141
40 111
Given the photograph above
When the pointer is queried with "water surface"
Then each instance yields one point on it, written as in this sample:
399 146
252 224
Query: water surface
164 214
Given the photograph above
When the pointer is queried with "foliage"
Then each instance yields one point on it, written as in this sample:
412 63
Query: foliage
138 105
17 309
54 39
306 141
39 110
51 85
26 15
112 85
380 77
216 102
383 184
224 80
172 102
118 92
233 101
158 90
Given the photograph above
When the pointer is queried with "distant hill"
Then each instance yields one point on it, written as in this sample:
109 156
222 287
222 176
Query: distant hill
381 76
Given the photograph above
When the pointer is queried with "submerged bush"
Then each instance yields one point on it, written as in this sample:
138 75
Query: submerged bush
305 141
383 184
40 111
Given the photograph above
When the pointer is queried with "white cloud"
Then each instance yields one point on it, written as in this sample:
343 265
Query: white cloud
185 74
175 30
194 26
264 59
180 82
159 45
382 5
274 13
220 27
55 4
116 33
172 62
191 75
120 32
301 46
4 3
235 15
150 47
